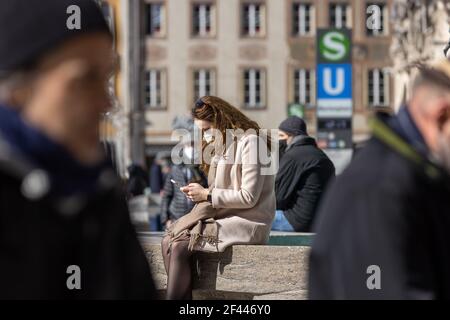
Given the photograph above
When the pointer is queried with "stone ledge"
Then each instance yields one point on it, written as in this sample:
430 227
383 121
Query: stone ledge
277 238
242 272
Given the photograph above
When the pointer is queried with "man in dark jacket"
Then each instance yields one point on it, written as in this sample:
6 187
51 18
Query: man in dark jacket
303 175
383 228
65 230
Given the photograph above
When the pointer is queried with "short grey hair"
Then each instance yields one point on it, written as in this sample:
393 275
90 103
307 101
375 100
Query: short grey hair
429 76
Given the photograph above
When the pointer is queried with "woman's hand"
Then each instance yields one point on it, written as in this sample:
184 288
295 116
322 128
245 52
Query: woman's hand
195 192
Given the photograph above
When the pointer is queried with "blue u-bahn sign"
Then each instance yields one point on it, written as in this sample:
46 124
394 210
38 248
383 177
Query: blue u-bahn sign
334 88
334 82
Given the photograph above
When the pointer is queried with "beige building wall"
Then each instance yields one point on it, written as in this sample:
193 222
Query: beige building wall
178 53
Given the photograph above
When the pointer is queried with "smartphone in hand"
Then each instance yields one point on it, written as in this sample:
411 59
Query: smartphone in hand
176 183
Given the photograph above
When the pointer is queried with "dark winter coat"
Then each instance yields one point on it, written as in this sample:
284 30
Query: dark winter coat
63 224
383 228
304 173
41 236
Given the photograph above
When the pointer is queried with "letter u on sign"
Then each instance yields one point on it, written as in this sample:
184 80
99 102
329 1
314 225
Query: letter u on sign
334 81
334 84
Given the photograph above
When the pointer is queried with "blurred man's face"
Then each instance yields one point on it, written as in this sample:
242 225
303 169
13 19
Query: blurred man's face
282 135
69 92
443 136
443 152
285 136
433 118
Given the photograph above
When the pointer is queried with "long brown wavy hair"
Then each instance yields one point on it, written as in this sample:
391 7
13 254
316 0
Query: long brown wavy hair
222 116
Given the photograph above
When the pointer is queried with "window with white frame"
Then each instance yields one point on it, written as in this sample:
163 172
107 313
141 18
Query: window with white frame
155 19
378 88
253 19
340 15
254 88
304 87
204 83
303 19
155 89
377 17
203 20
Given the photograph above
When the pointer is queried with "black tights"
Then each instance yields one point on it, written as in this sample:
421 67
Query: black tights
177 263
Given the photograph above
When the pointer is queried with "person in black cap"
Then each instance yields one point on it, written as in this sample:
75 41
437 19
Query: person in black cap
304 172
382 231
65 230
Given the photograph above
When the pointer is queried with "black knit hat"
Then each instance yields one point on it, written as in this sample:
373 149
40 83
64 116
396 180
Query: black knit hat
294 125
30 28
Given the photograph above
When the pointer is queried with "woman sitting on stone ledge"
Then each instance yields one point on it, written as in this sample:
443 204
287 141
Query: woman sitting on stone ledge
239 204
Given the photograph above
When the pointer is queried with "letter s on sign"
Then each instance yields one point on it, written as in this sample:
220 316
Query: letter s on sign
334 48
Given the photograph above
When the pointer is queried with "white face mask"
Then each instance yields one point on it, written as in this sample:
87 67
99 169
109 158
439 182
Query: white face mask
208 136
188 152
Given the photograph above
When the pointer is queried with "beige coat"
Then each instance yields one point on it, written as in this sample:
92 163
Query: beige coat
244 197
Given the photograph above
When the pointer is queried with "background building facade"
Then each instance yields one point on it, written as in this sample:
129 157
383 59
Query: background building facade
421 32
259 55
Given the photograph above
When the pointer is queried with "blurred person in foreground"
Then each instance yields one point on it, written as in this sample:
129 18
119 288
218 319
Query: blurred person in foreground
383 228
61 205
304 173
